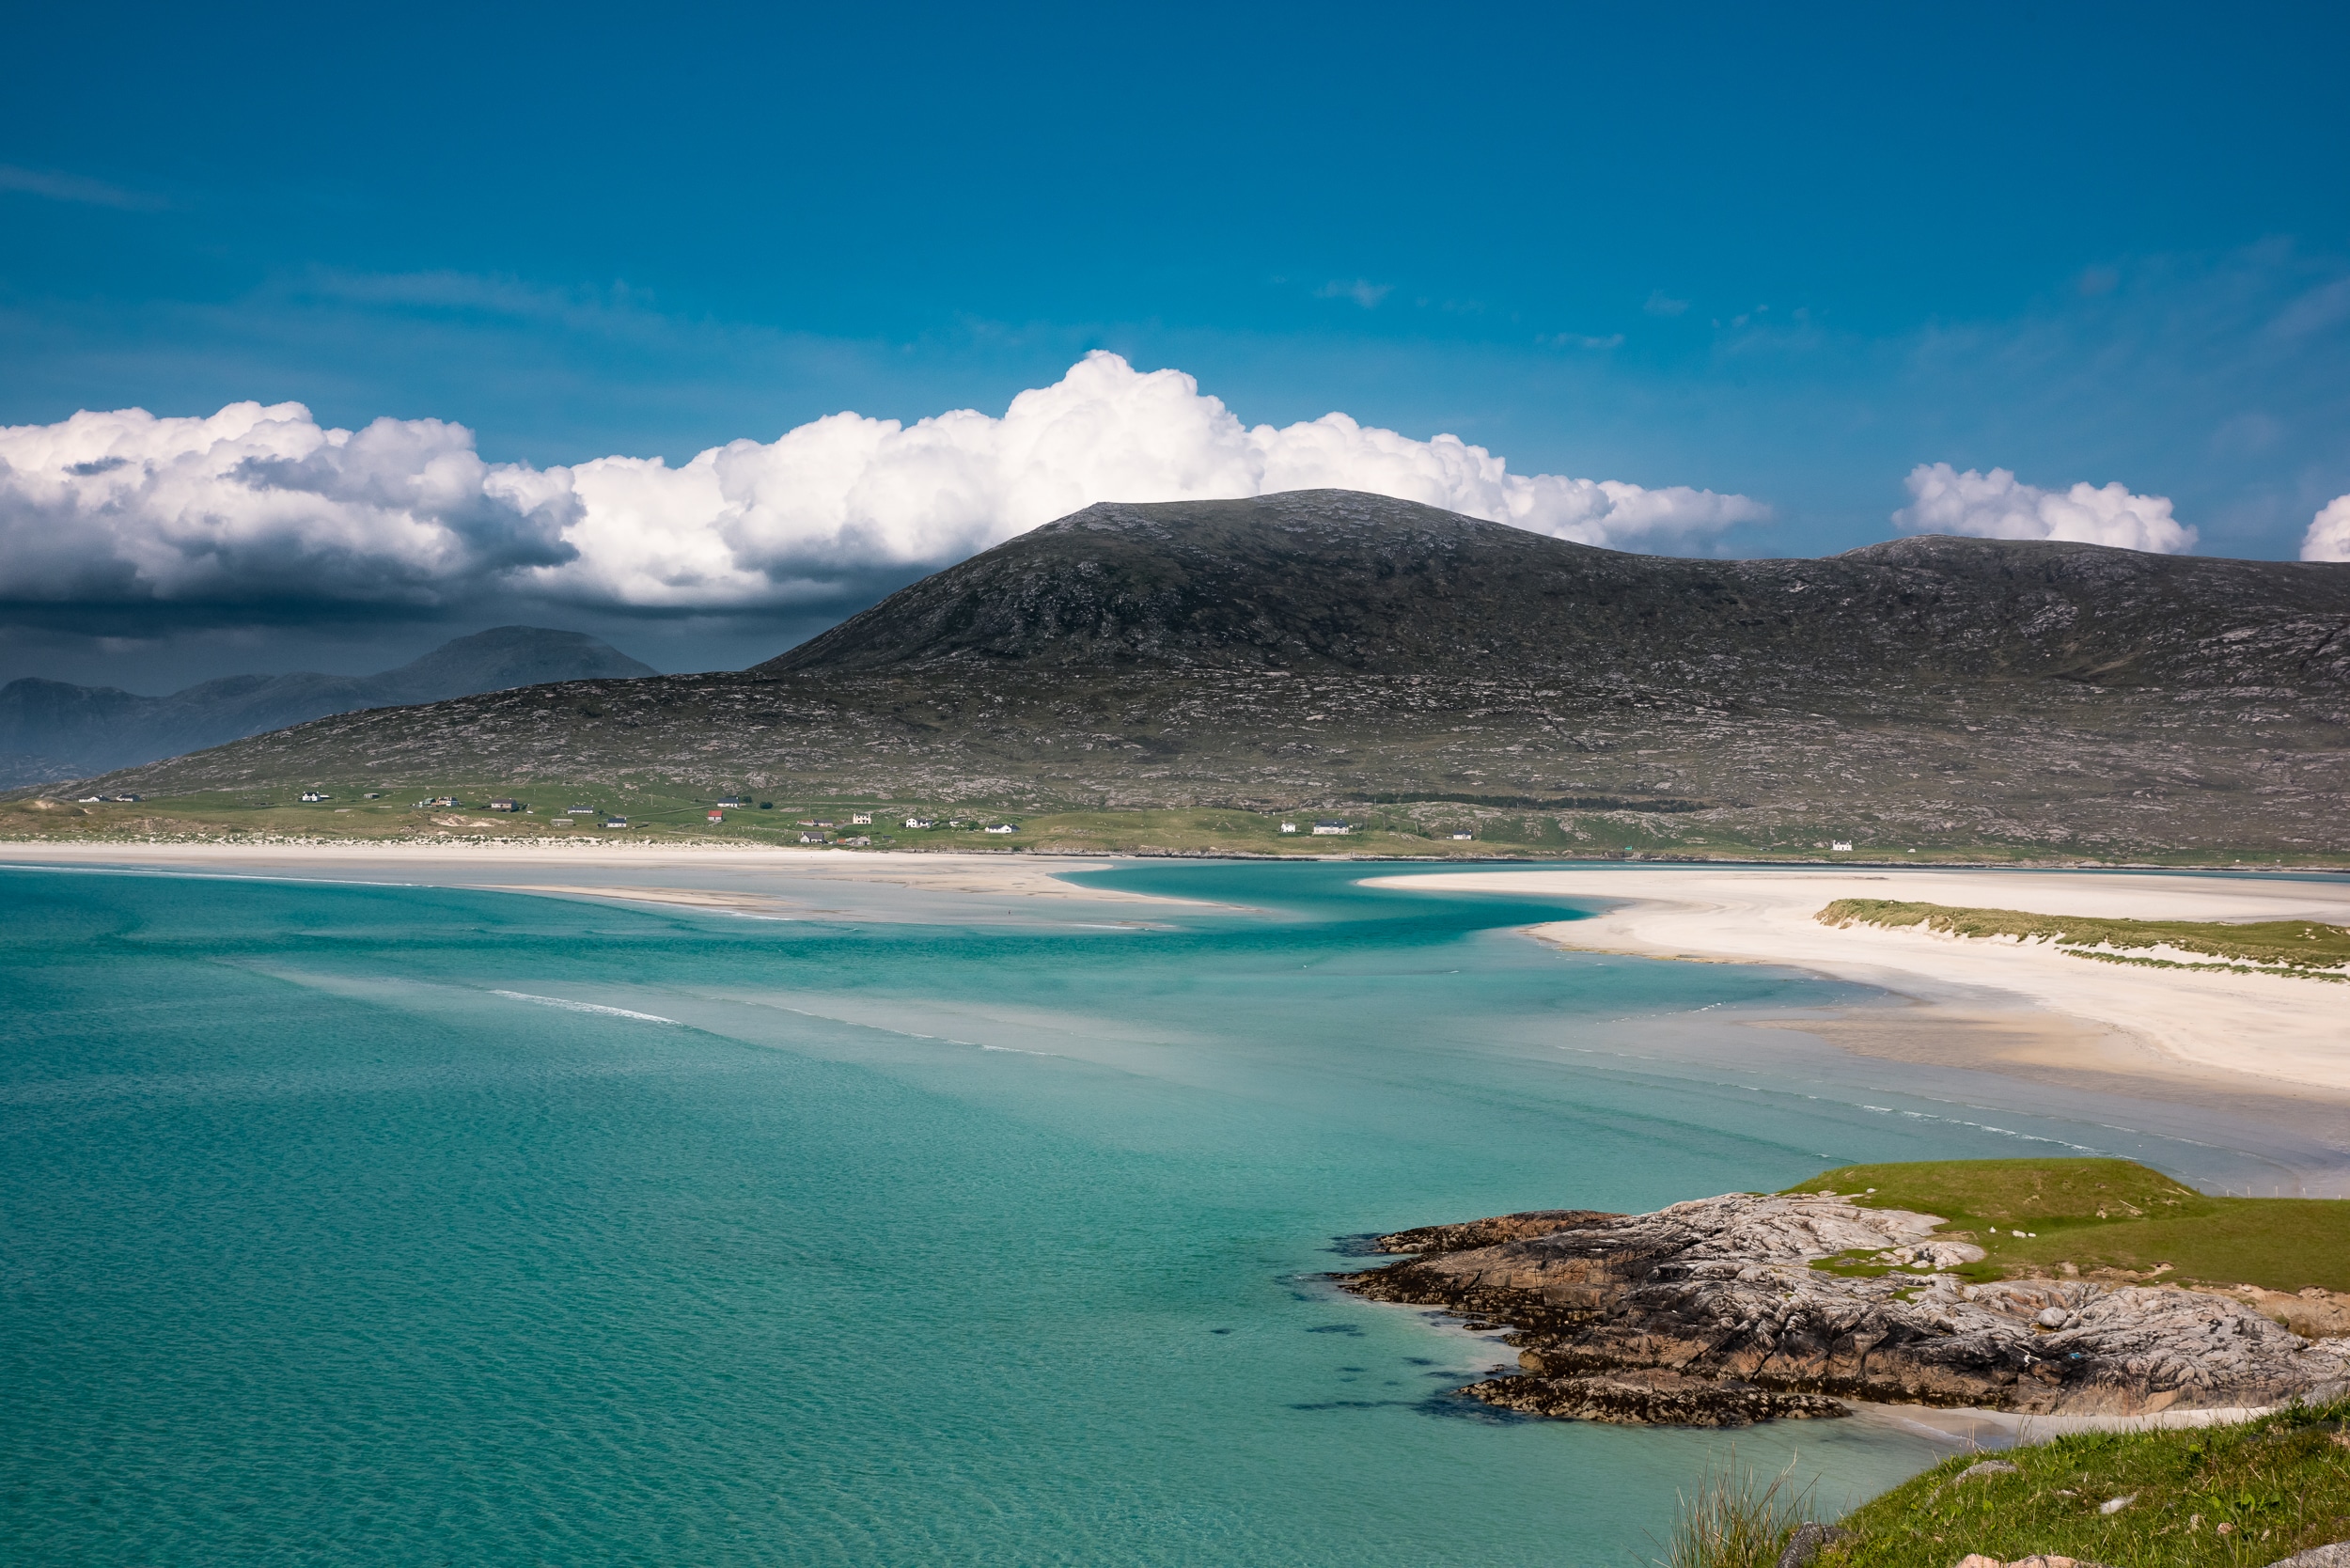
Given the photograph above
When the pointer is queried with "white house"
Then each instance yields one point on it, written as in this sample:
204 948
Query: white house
1459 835
1327 826
1288 827
616 822
313 796
1002 827
860 818
1840 846
920 822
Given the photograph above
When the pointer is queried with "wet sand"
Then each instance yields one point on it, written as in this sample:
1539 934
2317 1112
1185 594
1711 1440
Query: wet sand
753 879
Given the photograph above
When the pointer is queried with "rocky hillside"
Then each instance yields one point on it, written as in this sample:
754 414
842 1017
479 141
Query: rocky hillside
1332 581
1324 648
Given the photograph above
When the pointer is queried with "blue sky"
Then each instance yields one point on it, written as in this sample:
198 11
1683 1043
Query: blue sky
1789 255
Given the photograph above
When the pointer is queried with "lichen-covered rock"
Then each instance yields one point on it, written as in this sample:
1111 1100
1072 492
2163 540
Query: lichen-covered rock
1720 1294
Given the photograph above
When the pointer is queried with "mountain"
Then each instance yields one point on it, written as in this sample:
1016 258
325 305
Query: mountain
1324 648
1332 581
52 730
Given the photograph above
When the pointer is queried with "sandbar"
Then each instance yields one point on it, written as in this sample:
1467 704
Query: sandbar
1997 1004
753 879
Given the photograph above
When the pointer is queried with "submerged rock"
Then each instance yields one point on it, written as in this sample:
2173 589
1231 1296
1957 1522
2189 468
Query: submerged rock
1710 1313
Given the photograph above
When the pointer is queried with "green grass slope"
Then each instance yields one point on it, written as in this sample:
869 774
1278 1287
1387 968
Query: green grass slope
2231 1495
2109 1214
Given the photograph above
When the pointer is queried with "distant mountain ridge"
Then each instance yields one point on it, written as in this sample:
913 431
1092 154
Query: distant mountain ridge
1324 648
51 730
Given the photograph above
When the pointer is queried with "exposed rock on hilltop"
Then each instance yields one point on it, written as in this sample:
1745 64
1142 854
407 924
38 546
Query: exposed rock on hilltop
1710 1313
1324 648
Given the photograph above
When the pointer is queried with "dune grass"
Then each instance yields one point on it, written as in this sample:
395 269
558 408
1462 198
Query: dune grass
2110 1214
1736 1518
2304 947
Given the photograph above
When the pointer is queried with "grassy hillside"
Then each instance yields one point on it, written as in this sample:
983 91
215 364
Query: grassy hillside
2230 1495
2297 946
2110 1214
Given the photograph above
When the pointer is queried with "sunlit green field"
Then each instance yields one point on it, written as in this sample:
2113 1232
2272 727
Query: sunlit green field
2109 1214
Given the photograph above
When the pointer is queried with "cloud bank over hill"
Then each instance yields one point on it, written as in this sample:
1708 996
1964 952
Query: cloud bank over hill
2328 538
259 503
1998 505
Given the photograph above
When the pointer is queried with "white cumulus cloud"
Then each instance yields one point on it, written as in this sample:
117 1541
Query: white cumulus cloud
259 503
256 502
2328 538
1999 506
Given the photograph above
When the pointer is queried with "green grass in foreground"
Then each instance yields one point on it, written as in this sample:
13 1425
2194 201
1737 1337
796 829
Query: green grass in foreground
2109 1214
2245 1495
2294 945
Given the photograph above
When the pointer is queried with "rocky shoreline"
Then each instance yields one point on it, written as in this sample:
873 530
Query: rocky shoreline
1710 1313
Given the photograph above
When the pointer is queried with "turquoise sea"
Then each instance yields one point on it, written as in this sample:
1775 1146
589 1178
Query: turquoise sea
388 1224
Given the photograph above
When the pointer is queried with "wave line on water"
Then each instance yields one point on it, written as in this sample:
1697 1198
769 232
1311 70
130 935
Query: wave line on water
570 1005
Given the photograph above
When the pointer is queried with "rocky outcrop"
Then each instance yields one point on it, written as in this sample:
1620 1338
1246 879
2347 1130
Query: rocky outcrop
1710 1313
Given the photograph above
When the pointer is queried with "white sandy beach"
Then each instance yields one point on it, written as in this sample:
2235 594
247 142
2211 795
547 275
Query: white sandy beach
2290 1033
746 879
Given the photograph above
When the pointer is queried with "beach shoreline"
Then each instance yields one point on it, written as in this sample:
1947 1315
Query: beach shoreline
2175 1043
757 881
2243 1039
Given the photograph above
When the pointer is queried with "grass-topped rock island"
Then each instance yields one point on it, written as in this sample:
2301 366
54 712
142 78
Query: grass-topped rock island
2189 1355
2055 1288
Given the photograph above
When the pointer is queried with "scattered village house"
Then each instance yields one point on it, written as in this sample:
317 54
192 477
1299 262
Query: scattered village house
312 796
1325 825
504 803
1002 827
860 818
717 816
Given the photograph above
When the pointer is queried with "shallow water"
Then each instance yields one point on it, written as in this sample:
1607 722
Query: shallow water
393 1224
